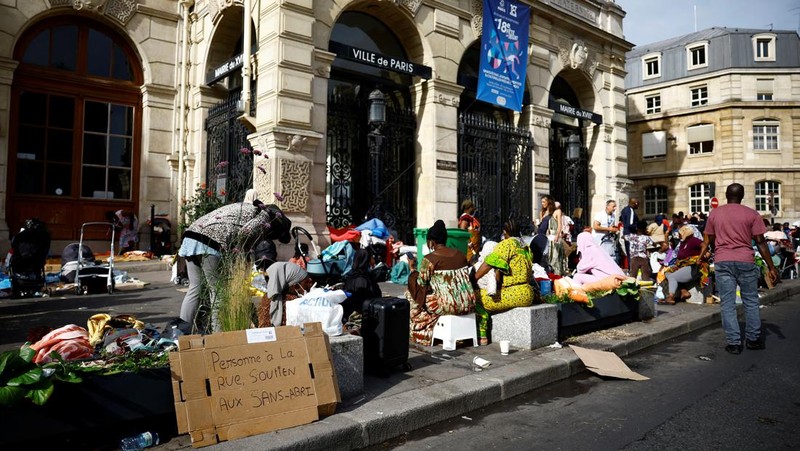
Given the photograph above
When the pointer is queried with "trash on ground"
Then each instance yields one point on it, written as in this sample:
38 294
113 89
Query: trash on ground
481 362
606 363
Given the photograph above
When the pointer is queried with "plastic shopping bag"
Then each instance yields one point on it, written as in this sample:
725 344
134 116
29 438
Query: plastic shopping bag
300 311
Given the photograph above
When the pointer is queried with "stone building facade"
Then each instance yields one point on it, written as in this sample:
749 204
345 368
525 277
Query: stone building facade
181 104
711 108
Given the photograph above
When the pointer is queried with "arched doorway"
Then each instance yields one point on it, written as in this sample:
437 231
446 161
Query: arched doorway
75 132
494 156
229 154
349 192
569 177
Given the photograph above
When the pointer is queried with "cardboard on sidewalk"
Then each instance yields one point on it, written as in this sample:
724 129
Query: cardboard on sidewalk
236 384
606 363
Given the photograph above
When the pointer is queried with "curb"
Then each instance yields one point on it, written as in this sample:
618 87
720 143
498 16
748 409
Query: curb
380 419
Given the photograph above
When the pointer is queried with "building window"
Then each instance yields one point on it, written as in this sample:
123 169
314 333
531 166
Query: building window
764 89
765 135
655 200
653 104
700 138
76 125
697 55
764 47
652 66
107 151
654 145
700 197
768 197
699 95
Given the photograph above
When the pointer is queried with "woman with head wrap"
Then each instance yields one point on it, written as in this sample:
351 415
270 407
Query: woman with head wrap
441 286
594 263
360 283
688 266
511 261
285 281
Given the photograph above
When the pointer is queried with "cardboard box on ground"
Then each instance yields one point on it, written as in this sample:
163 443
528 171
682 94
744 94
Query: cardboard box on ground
236 384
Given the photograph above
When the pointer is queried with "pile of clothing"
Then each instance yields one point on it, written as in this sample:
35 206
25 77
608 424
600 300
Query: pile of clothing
104 336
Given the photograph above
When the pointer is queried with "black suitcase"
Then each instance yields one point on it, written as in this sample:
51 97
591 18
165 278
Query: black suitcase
385 330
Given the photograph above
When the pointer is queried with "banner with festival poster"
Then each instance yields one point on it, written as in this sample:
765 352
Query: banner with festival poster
504 53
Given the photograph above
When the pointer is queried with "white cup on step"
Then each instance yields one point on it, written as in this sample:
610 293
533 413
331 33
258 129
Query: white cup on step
504 345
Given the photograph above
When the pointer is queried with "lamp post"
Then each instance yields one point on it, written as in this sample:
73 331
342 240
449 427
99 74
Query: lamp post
375 139
573 161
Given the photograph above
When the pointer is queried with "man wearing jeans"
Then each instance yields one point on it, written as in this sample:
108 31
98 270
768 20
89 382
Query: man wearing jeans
730 230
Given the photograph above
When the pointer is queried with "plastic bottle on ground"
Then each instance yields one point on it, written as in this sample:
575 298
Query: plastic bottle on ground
139 441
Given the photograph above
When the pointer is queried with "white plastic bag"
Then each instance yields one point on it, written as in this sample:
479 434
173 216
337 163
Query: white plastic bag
300 311
322 296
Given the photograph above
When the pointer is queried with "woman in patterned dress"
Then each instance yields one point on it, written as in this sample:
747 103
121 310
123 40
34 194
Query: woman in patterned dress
441 286
511 260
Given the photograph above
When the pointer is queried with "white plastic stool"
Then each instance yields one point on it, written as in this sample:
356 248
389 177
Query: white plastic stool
451 328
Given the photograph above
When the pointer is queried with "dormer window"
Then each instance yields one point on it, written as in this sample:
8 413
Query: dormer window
764 47
651 66
697 55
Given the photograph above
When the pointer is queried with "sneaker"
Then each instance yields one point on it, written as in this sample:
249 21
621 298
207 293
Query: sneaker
734 349
754 345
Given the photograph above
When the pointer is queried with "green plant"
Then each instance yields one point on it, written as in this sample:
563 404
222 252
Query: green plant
236 308
203 202
21 378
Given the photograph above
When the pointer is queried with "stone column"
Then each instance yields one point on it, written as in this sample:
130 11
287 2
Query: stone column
7 67
539 121
436 103
285 139
155 187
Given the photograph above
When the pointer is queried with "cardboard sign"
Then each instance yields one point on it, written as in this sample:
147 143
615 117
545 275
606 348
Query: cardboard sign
236 384
606 363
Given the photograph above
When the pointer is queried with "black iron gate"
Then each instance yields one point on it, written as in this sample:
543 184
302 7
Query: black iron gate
348 193
229 155
495 171
569 180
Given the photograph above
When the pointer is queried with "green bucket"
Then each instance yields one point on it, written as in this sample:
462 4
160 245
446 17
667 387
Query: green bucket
456 238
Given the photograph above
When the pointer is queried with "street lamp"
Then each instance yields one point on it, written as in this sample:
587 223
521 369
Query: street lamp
573 162
375 138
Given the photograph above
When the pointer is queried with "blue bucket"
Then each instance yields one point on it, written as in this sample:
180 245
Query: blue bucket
545 287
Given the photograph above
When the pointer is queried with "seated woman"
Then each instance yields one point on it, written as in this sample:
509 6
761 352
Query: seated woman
594 263
285 282
360 283
511 260
441 286
687 268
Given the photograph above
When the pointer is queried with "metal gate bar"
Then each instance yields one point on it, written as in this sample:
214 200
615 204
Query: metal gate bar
229 155
495 171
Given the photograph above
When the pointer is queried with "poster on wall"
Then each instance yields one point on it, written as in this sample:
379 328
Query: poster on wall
504 53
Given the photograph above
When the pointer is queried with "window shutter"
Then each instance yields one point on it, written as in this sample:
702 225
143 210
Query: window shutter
654 144
764 86
700 133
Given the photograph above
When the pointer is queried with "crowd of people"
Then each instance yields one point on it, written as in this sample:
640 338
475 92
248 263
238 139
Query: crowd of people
495 276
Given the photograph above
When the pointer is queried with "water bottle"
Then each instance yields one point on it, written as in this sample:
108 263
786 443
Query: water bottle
139 441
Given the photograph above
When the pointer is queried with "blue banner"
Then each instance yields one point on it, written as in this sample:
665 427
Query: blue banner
504 53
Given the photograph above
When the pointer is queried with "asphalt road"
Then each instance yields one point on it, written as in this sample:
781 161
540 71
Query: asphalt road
157 303
698 397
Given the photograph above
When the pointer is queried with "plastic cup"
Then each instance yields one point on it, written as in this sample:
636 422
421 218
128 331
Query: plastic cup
480 362
504 345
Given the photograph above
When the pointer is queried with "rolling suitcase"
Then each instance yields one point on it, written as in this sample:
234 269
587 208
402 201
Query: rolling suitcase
385 330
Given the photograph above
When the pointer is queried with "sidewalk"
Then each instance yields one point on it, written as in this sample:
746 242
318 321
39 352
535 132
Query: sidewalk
445 384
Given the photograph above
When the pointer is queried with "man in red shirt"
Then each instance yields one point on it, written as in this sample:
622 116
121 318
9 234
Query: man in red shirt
730 230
